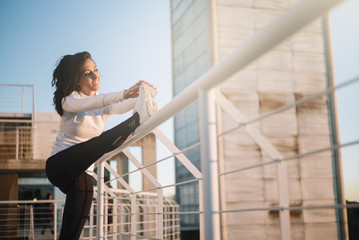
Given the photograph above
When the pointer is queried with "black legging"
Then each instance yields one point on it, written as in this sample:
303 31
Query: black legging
66 170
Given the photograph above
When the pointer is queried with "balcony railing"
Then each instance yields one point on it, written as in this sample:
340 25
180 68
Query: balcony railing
17 99
41 219
28 219
17 109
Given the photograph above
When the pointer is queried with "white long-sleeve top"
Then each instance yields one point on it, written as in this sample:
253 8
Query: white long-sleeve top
85 116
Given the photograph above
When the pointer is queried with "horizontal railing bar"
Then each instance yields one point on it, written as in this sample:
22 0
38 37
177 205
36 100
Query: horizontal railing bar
24 121
142 237
123 191
16 85
336 206
188 213
262 41
290 105
15 121
156 213
31 201
334 147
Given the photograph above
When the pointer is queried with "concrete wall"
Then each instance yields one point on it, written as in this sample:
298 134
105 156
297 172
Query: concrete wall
8 186
47 125
8 191
292 70
35 142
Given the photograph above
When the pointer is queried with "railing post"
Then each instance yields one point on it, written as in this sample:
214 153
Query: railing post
201 209
55 220
115 229
91 220
105 219
100 199
133 216
209 165
159 214
23 100
32 234
17 144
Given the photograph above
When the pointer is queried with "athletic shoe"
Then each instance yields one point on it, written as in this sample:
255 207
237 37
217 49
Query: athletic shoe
146 104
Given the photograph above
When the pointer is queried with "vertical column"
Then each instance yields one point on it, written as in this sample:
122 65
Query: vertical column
335 133
148 144
209 166
100 198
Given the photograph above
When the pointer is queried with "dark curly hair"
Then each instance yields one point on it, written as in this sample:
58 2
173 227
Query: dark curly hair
66 77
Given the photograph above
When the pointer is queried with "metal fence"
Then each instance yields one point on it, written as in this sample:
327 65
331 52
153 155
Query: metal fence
30 219
16 136
12 103
126 216
41 219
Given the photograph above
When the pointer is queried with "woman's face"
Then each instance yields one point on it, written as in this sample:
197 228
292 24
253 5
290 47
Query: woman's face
89 81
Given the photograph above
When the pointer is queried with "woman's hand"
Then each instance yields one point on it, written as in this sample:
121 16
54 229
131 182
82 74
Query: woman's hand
133 91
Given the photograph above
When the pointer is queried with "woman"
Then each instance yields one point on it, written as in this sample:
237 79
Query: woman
80 140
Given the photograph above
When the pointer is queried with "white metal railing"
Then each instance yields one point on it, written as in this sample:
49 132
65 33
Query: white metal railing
17 98
41 219
30 219
129 214
17 121
203 90
135 214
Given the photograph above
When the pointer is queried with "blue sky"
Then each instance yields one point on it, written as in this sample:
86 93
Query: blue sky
130 40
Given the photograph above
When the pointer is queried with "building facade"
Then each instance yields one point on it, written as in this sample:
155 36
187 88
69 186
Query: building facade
26 142
203 33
